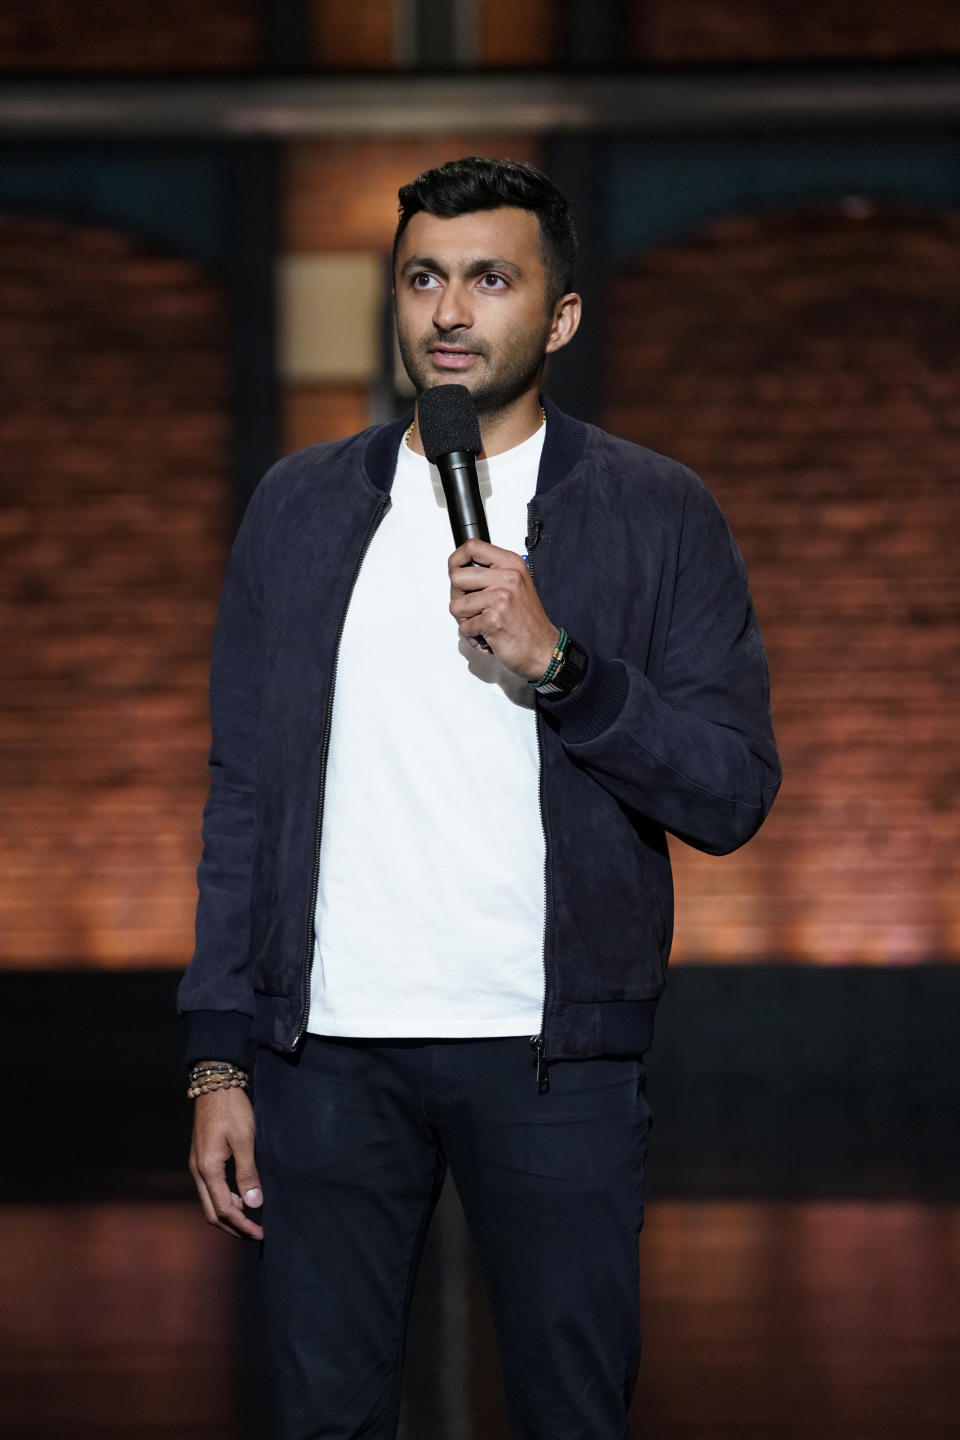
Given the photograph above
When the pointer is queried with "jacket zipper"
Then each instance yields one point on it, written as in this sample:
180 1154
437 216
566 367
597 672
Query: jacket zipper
537 1043
306 964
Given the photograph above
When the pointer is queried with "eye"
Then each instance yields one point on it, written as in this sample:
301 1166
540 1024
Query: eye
423 280
492 281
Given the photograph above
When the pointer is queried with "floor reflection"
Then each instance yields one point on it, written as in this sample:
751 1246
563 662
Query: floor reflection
115 1323
794 1320
766 1321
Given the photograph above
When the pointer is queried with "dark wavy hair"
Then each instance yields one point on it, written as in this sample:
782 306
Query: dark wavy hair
463 186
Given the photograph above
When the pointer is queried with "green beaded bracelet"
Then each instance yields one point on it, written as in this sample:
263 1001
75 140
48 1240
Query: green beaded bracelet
556 660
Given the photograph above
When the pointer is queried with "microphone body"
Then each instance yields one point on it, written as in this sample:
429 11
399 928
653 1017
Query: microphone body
458 475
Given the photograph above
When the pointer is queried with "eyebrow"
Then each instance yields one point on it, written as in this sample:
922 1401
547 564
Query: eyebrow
481 265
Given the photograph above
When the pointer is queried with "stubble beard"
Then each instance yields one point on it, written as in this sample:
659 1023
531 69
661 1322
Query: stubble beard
521 359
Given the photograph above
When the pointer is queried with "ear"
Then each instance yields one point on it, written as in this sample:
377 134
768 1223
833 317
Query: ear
566 321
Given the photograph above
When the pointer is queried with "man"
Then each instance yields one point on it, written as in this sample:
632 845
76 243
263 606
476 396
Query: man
436 893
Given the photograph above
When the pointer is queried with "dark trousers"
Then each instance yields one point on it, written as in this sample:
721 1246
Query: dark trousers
353 1141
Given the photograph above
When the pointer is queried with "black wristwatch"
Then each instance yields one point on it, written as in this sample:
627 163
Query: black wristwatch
569 674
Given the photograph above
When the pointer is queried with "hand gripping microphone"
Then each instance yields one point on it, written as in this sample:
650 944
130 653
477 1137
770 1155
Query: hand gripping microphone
450 435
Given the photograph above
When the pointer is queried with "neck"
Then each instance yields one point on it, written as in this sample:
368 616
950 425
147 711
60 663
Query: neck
512 426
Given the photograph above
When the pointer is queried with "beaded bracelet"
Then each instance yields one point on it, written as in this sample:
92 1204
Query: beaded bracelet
215 1076
218 1071
232 1072
237 1082
556 660
214 1067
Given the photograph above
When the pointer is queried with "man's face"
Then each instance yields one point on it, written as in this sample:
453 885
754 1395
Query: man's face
471 304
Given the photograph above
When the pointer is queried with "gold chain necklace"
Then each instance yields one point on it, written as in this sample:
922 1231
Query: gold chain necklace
406 438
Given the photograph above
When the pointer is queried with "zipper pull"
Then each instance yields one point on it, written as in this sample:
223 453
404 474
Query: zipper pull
533 528
540 1064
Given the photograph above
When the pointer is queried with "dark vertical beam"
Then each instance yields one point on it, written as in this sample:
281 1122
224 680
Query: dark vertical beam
574 376
286 35
593 32
252 168
253 190
437 40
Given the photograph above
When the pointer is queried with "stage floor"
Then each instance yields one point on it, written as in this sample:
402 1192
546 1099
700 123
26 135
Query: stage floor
783 1320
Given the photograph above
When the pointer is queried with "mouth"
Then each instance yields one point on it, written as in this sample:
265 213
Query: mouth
452 357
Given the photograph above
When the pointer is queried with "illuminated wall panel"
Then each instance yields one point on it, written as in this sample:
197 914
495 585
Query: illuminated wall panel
114 516
806 366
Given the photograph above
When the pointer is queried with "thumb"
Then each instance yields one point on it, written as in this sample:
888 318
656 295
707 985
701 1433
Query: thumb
248 1181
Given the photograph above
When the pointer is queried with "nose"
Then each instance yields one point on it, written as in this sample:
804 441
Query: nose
452 311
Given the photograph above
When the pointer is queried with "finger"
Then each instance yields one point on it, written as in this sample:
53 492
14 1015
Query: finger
230 1215
488 614
248 1181
249 1227
209 1209
472 578
206 1204
481 552
477 628
462 607
227 1206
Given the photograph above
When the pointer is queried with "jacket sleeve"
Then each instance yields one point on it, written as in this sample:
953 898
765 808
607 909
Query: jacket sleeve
216 993
697 753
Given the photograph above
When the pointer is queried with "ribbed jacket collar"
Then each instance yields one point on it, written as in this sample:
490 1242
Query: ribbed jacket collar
563 447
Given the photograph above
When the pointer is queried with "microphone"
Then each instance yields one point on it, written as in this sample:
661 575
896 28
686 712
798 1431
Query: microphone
450 435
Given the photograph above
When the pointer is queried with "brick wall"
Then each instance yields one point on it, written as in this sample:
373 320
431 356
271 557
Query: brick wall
113 523
179 35
358 36
806 366
136 35
342 194
514 33
697 31
517 33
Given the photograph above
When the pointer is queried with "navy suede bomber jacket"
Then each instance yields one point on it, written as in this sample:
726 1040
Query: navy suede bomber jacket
669 729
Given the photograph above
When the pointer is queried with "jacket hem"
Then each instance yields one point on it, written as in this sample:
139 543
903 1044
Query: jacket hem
574 1030
582 1030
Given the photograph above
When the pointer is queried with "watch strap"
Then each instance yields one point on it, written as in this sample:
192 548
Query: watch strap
568 674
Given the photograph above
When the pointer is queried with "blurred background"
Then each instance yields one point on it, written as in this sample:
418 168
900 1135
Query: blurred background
196 208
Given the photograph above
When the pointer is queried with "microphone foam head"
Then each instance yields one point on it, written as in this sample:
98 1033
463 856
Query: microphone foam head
447 419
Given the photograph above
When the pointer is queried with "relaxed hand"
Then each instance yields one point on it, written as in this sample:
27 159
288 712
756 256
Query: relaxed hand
223 1127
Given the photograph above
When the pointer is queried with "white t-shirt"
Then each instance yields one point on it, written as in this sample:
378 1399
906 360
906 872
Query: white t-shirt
430 906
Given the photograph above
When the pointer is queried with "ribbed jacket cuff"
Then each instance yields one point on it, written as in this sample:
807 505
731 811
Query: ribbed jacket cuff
218 1035
594 705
